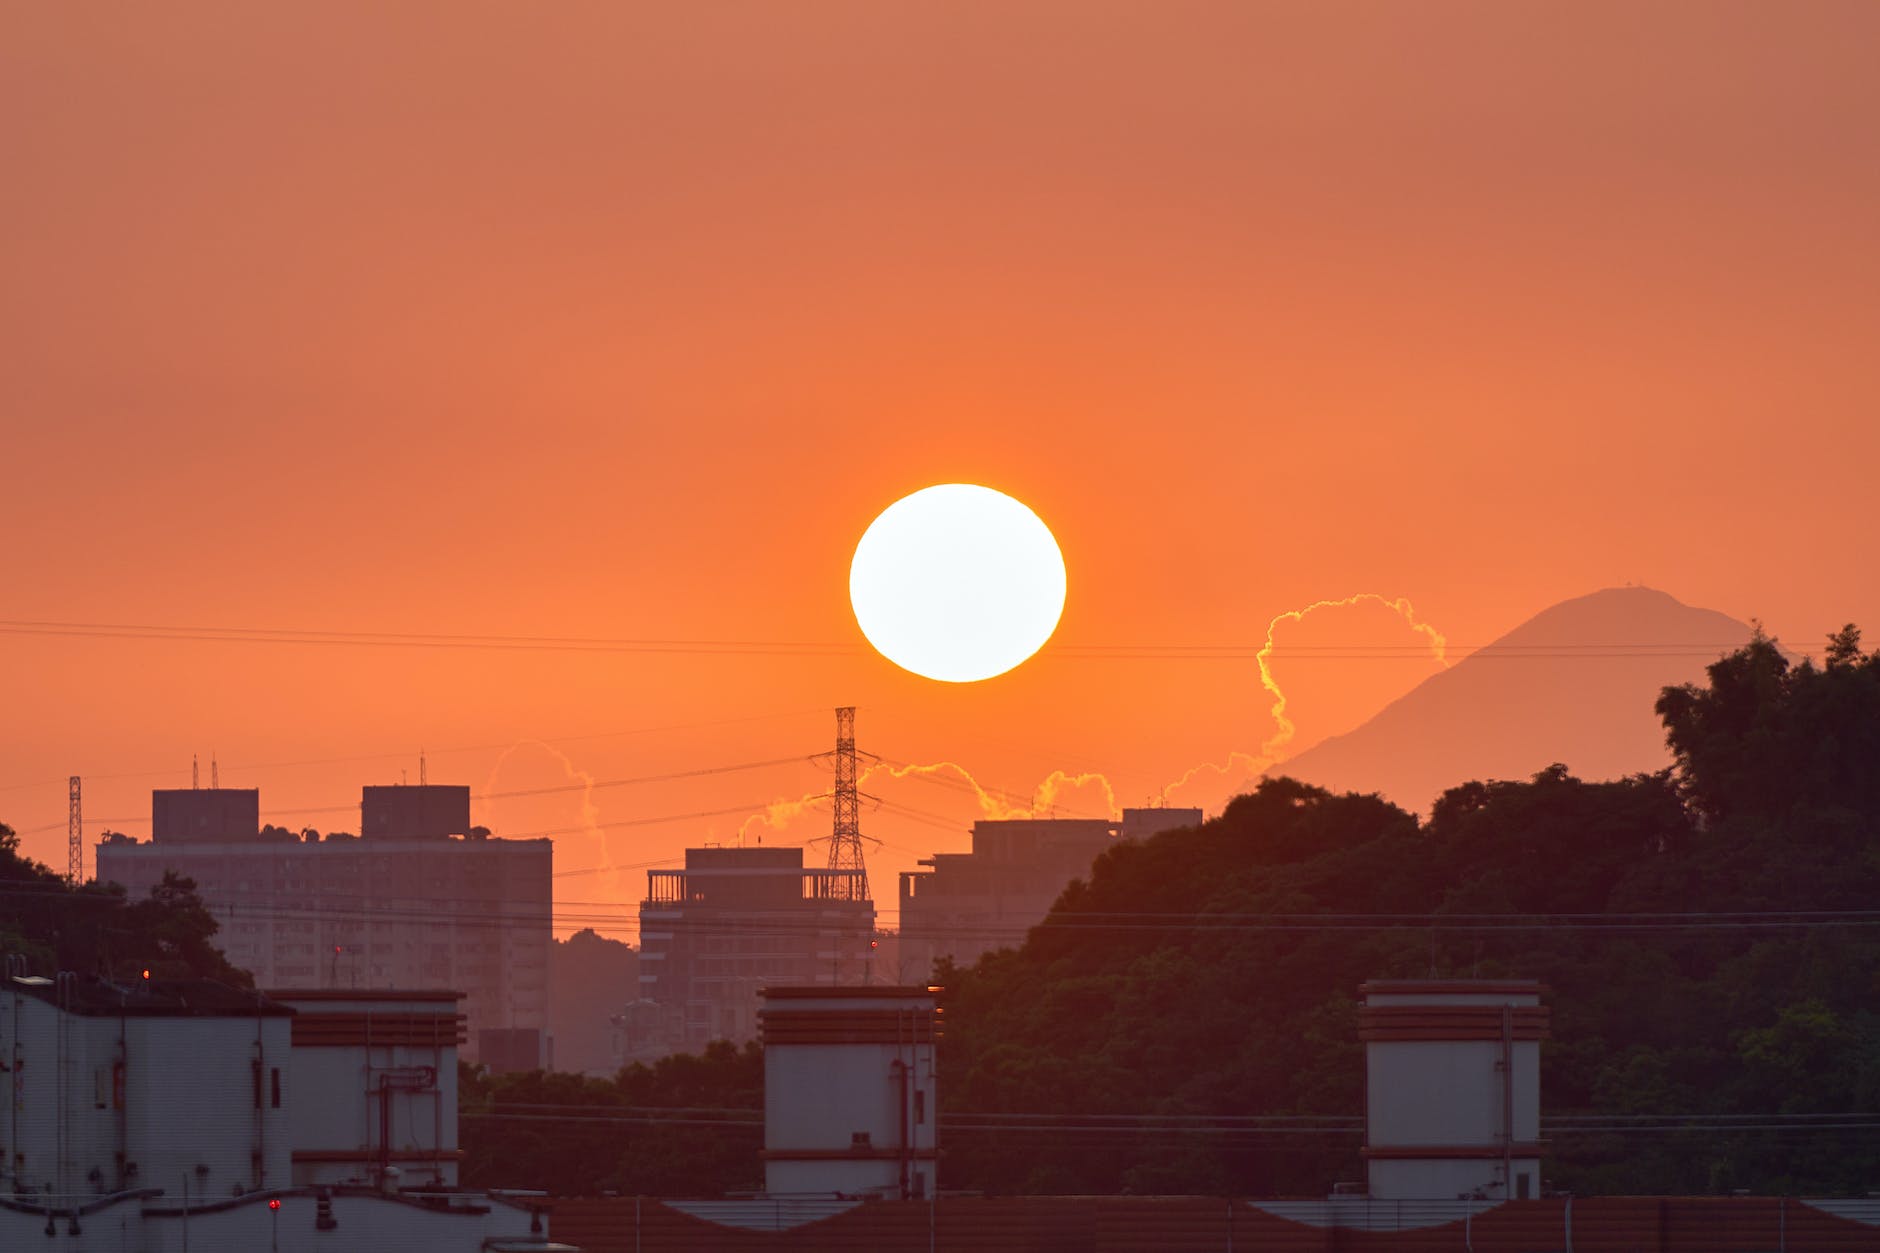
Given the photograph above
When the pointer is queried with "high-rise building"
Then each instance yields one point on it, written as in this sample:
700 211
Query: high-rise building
419 900
968 904
736 920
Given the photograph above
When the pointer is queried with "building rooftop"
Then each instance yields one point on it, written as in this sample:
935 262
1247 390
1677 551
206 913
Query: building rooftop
148 998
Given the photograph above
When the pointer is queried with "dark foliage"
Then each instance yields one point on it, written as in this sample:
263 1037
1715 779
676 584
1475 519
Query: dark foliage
675 1128
94 929
1213 972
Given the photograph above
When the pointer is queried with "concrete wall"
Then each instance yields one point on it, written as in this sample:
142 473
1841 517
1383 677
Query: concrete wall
834 1112
106 1102
1452 1088
425 812
1442 1180
188 815
1432 1093
190 1103
335 1099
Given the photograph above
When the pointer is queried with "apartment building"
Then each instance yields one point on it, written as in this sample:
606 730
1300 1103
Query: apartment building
736 920
418 898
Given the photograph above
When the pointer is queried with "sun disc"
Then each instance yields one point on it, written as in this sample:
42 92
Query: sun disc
957 582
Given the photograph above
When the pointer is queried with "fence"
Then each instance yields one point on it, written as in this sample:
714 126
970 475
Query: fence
1210 1225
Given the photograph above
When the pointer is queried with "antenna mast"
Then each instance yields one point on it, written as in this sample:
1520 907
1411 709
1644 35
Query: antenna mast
845 837
75 840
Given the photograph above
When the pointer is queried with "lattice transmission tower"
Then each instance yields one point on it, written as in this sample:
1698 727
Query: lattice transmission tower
845 836
75 839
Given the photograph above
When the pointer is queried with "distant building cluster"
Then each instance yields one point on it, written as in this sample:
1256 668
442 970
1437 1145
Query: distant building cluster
968 904
737 920
418 898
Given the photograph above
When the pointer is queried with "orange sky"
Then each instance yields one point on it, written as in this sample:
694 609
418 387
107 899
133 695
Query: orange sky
603 320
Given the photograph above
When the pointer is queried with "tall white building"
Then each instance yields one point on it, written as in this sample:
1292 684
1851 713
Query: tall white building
177 1085
1452 1088
416 900
393 1055
850 1095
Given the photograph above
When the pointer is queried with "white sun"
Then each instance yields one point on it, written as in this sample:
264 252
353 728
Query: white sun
957 582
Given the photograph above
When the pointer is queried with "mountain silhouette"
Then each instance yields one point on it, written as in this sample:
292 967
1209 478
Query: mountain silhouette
1574 684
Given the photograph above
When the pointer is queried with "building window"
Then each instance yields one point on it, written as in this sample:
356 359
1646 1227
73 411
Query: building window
1521 1186
920 1107
274 1085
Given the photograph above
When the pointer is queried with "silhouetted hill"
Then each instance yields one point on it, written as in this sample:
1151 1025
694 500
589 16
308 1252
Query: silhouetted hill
1573 684
1702 933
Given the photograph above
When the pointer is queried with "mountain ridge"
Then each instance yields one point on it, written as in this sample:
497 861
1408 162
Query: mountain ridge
1574 684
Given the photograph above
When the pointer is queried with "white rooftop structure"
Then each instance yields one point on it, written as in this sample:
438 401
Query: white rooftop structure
166 1115
850 1097
1452 1088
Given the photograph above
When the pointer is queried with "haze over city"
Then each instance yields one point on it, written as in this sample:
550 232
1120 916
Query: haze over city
1366 506
622 324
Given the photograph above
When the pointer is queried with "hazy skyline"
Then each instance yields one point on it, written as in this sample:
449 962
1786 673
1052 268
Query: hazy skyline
614 322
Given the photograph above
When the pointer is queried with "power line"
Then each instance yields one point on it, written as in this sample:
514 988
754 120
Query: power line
360 908
585 786
756 647
784 920
394 639
1243 1125
437 752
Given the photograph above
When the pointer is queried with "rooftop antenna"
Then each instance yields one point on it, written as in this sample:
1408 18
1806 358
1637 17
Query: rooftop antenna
75 839
195 772
215 776
845 835
422 778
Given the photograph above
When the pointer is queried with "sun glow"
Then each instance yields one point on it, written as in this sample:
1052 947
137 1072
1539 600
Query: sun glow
957 582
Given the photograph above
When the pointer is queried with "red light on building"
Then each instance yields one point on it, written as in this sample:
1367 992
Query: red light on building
274 1203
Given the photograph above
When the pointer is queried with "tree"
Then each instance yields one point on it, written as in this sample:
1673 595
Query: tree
1767 738
92 929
